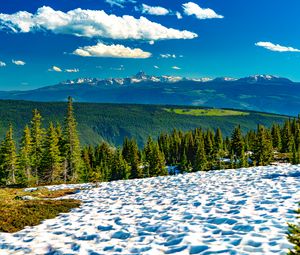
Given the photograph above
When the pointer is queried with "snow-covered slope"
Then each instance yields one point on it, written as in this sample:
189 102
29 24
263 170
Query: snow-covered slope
219 212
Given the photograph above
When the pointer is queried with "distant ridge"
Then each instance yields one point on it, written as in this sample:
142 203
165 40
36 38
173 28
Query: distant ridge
265 93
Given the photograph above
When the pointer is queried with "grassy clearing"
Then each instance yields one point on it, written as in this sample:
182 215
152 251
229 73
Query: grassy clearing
16 214
206 112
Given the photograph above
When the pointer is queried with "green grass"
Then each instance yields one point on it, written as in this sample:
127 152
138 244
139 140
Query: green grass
15 214
207 112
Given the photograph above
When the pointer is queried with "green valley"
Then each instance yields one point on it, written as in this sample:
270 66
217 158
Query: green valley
113 122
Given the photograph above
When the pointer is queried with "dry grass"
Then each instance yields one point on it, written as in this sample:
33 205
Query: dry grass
15 214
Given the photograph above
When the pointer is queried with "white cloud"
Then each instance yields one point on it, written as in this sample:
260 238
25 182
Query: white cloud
111 51
55 69
154 10
178 15
156 67
119 3
90 23
74 70
168 55
18 62
276 47
176 68
2 64
191 8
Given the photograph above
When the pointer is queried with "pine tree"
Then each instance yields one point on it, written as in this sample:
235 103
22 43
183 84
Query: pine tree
287 138
155 159
9 158
72 145
237 143
263 152
120 168
243 160
164 145
184 164
51 165
25 160
130 153
175 147
219 148
201 163
37 134
88 157
276 137
103 158
62 151
209 144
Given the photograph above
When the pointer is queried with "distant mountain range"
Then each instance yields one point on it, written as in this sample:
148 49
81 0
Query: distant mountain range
265 93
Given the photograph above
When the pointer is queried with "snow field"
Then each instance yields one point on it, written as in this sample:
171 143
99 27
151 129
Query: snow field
242 211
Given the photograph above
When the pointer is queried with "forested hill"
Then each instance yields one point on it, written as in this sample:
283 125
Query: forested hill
113 122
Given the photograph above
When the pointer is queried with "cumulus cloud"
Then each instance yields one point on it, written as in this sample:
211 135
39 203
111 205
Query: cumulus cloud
276 47
156 67
119 3
154 10
176 68
18 62
2 64
74 70
168 55
55 69
111 51
191 8
90 23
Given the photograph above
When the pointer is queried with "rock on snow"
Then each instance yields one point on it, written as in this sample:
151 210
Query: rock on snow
241 211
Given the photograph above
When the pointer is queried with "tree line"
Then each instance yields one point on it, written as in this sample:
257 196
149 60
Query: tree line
54 155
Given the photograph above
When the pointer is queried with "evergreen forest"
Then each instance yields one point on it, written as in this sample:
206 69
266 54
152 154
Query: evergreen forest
54 154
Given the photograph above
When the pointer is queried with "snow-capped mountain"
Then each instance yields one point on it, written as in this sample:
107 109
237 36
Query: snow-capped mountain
140 77
266 93
265 79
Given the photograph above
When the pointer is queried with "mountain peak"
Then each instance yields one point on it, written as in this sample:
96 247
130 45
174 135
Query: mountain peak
141 75
265 78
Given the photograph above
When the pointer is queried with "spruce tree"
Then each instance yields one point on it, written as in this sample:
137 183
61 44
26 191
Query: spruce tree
72 145
155 159
62 151
201 163
209 144
237 143
103 158
219 148
25 159
51 165
184 164
263 151
287 138
276 137
9 158
87 157
120 168
37 134
130 153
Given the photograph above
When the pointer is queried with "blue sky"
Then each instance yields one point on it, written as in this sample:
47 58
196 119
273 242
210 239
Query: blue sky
45 42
